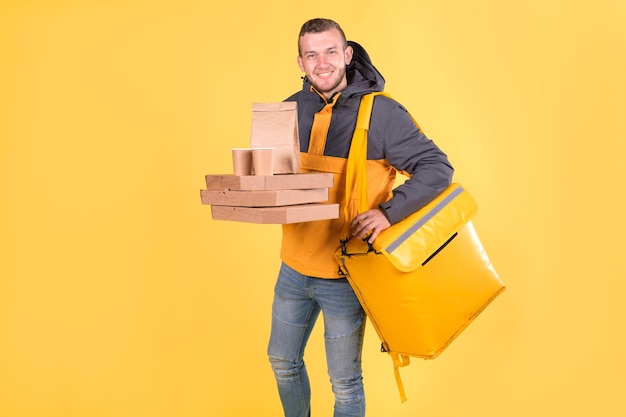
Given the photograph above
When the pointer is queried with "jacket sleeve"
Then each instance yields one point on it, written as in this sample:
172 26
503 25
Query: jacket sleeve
407 149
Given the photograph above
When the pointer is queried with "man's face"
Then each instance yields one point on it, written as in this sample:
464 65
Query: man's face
323 60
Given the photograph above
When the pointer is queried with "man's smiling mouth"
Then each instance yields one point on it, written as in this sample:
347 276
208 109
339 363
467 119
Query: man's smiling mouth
325 74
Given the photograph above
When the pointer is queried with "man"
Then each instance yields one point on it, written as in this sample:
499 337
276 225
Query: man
337 74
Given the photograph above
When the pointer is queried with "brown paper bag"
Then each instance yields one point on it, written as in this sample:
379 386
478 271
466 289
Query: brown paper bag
275 125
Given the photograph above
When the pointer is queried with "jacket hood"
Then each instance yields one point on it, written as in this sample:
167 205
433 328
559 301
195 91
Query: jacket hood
362 75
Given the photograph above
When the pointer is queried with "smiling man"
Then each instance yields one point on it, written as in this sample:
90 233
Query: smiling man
338 74
324 57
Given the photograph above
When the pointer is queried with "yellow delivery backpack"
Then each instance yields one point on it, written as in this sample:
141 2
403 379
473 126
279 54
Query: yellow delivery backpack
424 279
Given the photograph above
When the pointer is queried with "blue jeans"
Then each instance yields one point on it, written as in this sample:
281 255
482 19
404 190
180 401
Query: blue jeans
298 300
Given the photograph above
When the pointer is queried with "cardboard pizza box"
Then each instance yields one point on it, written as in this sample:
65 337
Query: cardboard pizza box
269 182
266 198
277 215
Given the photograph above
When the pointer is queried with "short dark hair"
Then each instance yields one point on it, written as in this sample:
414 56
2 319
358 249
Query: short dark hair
319 25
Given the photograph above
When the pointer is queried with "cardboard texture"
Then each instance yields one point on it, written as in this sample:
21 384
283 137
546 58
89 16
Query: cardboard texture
275 125
269 182
289 196
277 215
263 198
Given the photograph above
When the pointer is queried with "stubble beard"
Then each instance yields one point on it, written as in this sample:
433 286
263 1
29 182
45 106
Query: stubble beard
341 73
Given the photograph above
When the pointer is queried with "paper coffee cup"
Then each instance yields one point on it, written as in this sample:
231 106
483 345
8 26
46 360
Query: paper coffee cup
242 161
263 161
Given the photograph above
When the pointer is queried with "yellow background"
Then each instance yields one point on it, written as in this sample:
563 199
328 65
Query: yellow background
120 296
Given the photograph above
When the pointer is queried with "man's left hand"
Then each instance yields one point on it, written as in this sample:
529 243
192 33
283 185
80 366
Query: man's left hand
371 223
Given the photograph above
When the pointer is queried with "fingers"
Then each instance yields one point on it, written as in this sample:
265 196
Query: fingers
362 227
369 224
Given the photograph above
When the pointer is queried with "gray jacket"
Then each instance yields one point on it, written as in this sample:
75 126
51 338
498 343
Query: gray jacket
393 136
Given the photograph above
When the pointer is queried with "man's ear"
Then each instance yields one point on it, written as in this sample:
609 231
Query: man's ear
348 54
300 63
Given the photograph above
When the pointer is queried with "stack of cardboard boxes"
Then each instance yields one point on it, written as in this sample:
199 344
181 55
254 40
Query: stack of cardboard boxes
278 199
286 196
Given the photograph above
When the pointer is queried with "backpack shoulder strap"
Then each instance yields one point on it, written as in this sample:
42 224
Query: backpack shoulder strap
356 175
